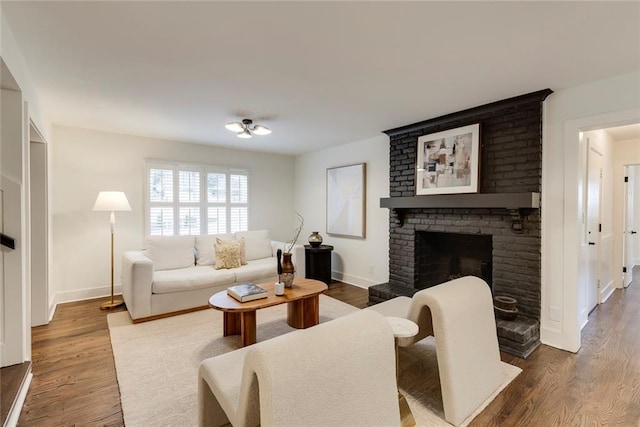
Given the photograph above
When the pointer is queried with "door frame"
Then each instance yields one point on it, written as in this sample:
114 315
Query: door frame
40 228
567 335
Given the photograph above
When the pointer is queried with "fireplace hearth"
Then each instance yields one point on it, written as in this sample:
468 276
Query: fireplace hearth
433 239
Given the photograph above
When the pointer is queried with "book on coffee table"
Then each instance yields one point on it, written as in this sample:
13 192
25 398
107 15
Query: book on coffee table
246 292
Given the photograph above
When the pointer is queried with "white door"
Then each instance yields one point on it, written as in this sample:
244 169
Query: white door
632 221
594 177
2 319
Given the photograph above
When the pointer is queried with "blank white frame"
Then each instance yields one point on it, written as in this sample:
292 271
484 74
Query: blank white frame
346 191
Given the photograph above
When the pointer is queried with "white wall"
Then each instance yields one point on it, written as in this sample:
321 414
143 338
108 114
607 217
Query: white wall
86 162
625 153
605 103
362 262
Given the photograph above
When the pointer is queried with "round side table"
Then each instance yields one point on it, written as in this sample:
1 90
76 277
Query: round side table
402 328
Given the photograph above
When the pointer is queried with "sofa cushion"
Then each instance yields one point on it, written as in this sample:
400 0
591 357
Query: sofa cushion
170 252
205 252
257 244
228 253
257 270
187 279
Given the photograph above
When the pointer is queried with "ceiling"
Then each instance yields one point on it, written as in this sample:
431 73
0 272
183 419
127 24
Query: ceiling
623 133
319 74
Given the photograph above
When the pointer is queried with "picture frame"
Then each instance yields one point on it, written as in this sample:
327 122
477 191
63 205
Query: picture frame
448 161
346 202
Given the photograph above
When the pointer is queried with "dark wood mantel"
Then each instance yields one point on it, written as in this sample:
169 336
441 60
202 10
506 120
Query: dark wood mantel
509 201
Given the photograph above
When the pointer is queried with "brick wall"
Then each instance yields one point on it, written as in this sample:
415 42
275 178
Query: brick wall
511 162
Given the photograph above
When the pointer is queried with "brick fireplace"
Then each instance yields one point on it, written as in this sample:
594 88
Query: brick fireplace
493 234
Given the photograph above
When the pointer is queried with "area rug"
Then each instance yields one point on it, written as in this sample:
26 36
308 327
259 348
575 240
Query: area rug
157 364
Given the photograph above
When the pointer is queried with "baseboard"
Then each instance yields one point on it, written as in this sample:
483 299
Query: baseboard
14 412
84 294
584 323
556 338
606 292
350 279
52 309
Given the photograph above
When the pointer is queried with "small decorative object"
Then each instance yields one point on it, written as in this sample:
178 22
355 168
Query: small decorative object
288 269
448 161
505 307
315 239
279 289
505 302
279 265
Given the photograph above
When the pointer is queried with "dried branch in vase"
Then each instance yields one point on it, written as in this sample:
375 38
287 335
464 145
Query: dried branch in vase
291 243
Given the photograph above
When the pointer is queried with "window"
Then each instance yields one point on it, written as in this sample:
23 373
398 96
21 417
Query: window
187 199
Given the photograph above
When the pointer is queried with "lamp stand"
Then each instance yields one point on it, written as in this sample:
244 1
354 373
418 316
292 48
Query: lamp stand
114 302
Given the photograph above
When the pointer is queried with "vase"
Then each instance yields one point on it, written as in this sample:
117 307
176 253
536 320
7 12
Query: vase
287 270
315 239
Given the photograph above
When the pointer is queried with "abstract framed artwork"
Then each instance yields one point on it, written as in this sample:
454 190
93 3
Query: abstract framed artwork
448 161
346 200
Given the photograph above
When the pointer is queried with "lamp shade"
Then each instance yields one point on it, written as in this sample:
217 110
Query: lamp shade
234 127
111 201
261 130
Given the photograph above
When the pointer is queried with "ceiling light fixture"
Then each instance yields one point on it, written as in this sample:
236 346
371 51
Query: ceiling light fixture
246 128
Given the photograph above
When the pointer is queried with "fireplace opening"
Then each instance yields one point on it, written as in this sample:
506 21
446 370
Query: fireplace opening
445 256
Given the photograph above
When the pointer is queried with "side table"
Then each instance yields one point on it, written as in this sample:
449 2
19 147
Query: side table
403 328
318 262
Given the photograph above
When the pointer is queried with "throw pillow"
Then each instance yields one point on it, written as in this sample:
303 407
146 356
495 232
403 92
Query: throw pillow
257 243
170 252
228 254
205 247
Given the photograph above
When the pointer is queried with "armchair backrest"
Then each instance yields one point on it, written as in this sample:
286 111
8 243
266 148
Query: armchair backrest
337 373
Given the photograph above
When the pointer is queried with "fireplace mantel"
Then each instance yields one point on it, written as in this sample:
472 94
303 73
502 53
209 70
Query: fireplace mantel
510 201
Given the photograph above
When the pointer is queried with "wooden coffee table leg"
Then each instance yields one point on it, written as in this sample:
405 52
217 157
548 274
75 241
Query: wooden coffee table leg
248 328
311 311
231 323
304 313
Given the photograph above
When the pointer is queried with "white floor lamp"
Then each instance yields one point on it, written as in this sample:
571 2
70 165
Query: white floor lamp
111 201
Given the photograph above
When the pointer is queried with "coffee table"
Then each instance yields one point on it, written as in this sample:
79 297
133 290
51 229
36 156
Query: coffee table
239 318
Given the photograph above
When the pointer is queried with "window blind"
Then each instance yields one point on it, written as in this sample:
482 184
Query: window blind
210 199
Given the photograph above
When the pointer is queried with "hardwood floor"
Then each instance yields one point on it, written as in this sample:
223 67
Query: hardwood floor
598 386
75 382
74 378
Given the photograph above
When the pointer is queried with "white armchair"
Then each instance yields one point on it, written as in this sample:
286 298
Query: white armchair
459 315
337 373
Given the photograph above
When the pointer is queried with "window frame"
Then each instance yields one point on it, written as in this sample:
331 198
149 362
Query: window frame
203 205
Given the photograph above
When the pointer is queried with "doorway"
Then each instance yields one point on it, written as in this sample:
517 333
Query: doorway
606 153
631 223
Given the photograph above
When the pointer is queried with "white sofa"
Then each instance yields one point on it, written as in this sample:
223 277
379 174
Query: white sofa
176 274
